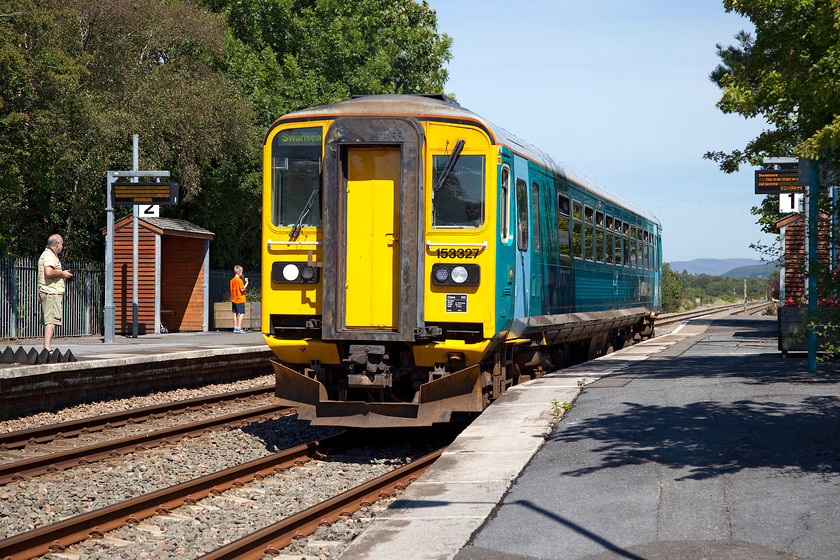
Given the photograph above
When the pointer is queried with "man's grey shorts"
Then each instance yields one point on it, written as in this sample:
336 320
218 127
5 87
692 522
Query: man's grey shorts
51 304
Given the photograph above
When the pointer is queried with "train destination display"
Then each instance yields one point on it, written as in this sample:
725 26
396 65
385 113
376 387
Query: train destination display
777 181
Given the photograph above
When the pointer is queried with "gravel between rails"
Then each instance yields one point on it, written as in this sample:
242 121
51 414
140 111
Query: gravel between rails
191 531
99 408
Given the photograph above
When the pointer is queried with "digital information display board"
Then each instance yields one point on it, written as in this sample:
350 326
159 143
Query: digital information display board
130 194
777 181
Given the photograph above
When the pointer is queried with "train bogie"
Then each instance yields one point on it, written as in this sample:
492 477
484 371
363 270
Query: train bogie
418 261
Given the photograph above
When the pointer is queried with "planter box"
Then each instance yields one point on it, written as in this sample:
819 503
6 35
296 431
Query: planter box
791 323
223 316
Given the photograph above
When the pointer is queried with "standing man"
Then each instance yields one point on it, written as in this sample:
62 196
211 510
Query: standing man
237 298
51 286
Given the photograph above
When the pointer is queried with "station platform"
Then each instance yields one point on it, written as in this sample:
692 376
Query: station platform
128 366
704 443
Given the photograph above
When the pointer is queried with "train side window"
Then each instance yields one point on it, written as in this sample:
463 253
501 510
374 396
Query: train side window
577 230
599 237
522 214
459 201
633 247
588 234
618 244
626 235
535 215
609 244
639 248
505 200
563 223
647 249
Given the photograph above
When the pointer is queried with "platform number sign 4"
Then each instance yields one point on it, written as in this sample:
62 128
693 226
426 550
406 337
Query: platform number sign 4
790 202
149 211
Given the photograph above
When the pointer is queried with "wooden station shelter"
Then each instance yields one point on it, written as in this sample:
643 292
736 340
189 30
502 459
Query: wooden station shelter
173 272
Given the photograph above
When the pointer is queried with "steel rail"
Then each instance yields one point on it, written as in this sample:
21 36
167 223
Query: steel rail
43 434
91 453
672 318
59 535
274 538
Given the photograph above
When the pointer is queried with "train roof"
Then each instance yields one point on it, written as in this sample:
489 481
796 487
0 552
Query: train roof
438 106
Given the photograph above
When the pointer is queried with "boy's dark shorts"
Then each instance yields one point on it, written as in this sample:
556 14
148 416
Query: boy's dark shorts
238 307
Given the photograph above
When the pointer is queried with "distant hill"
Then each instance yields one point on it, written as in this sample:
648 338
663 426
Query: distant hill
763 270
733 268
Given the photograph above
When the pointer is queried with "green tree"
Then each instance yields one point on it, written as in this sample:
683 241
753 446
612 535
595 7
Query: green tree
673 289
78 79
293 54
788 73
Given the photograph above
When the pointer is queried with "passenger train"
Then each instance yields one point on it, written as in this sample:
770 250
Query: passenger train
419 260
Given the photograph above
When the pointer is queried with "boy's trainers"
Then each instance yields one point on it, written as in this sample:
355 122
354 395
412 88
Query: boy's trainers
238 330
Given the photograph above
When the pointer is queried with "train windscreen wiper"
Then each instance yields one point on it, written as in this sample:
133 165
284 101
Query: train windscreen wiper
299 224
450 164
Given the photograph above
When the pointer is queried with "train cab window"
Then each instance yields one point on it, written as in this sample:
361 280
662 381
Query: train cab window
626 236
296 177
609 244
577 230
522 215
563 223
633 247
589 234
535 216
618 244
504 216
599 237
458 197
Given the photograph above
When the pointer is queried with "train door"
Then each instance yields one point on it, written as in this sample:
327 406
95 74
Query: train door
372 189
535 302
505 269
522 267
372 177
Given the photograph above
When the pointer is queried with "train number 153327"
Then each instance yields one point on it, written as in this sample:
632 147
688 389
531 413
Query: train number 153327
457 253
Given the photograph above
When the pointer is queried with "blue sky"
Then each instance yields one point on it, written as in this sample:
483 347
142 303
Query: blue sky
619 91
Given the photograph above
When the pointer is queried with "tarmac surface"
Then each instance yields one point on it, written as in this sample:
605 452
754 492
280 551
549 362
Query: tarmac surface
702 444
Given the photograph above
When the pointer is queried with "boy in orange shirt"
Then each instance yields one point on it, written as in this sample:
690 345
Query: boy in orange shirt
237 299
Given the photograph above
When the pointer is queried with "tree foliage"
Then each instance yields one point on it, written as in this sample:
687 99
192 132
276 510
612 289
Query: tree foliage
199 83
788 74
293 54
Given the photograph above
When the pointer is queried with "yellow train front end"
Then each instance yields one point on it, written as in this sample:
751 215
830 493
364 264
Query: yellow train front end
378 261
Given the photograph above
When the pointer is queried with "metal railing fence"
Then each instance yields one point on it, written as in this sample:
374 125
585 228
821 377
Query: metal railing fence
20 309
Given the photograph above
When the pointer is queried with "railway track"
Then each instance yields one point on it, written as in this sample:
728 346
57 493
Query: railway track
47 460
734 309
164 504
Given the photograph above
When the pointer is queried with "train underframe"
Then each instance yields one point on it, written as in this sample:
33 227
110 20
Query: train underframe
379 385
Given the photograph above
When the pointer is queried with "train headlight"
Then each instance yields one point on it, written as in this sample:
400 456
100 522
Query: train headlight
307 273
291 272
459 275
451 274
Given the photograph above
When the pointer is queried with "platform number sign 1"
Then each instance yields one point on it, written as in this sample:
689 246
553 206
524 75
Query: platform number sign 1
790 202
